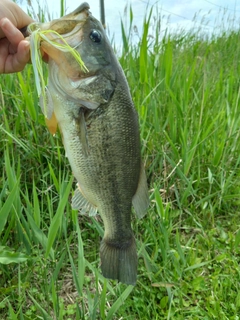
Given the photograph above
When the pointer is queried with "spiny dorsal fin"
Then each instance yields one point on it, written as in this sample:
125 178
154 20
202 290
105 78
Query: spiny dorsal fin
140 200
79 202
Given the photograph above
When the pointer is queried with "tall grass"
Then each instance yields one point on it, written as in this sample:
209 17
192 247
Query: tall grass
186 90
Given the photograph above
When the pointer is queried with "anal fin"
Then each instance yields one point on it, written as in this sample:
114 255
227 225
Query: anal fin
140 200
79 202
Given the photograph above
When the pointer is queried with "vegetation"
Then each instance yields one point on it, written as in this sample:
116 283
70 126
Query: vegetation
186 90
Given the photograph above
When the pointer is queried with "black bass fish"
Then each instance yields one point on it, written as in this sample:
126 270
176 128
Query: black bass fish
99 126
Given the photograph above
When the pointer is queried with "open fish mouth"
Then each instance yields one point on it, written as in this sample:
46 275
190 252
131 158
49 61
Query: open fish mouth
62 25
68 25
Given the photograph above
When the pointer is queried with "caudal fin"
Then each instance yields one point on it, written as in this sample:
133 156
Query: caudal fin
119 260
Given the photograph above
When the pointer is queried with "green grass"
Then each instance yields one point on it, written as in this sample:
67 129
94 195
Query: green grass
186 90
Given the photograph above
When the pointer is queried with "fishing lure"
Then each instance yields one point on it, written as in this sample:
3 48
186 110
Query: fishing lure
36 35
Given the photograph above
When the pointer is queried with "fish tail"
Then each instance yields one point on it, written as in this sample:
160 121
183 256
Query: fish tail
119 260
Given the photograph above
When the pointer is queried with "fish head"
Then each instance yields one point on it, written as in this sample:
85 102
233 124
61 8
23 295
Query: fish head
86 35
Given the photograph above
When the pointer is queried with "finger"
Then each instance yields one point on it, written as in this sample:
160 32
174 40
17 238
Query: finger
17 61
23 53
11 32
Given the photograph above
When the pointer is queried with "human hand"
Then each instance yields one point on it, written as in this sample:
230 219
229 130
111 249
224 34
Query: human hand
14 49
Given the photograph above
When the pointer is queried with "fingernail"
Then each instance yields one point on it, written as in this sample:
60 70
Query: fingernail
26 44
3 22
8 27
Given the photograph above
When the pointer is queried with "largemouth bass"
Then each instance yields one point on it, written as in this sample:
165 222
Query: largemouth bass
99 126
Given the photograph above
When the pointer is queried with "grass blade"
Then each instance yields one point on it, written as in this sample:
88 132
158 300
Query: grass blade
119 302
6 208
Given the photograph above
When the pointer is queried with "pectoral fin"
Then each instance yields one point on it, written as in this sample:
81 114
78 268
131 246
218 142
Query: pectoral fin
79 202
83 132
46 104
141 199
52 124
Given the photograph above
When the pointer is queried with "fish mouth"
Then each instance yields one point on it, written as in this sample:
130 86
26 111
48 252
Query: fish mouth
65 30
66 24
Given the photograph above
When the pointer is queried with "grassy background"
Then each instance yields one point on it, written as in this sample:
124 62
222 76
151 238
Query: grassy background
186 90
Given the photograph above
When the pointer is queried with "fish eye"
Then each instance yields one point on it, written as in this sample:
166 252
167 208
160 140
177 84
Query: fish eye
95 36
